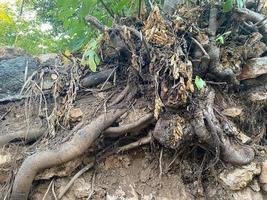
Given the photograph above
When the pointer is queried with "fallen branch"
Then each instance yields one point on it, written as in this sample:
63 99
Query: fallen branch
132 127
69 150
95 22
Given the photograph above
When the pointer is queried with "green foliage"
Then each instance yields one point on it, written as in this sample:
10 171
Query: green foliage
90 57
228 5
199 83
67 18
16 31
220 39
240 3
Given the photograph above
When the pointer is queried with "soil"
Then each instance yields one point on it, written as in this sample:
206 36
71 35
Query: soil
136 174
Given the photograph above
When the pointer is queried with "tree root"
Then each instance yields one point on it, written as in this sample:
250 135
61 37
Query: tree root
255 18
121 96
25 136
210 132
142 141
215 67
132 127
80 142
97 78
145 140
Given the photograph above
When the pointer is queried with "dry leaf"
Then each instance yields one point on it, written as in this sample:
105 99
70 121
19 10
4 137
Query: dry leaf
158 107
232 112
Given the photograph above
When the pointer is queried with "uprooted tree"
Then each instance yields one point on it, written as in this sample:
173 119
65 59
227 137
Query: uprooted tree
166 58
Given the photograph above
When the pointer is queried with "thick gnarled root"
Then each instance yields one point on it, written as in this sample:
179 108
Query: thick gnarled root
81 141
210 132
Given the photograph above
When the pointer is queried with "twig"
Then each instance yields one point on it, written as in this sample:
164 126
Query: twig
259 22
160 163
26 71
21 7
46 193
139 8
216 83
53 191
86 168
92 186
95 22
135 126
145 140
200 46
6 113
110 75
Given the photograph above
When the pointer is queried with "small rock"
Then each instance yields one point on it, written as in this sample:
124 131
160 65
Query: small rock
5 158
169 131
81 189
258 96
247 194
255 186
5 164
76 114
243 137
239 178
232 111
254 68
263 176
118 195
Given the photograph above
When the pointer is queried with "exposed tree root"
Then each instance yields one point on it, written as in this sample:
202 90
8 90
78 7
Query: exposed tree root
210 132
215 67
40 161
97 78
255 18
142 141
32 134
120 97
133 127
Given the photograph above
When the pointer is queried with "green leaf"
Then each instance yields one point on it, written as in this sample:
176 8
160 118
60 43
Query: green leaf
199 83
228 6
240 3
120 5
220 39
92 61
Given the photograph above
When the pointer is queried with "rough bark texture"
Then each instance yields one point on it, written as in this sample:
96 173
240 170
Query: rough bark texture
68 151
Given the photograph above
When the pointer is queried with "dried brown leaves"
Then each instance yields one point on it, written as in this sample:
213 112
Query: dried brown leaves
156 30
